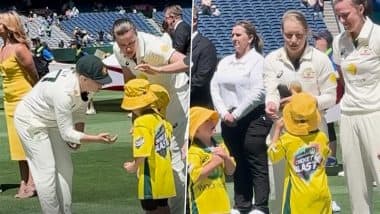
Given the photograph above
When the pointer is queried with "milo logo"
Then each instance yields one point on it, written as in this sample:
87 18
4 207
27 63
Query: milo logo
306 161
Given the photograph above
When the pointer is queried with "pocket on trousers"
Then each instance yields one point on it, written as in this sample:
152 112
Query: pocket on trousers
260 126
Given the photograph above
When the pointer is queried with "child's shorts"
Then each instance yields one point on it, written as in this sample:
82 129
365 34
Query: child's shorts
152 204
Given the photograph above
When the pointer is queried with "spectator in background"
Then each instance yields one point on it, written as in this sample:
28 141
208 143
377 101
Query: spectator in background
61 44
238 94
41 49
203 66
101 36
181 31
205 7
18 75
323 42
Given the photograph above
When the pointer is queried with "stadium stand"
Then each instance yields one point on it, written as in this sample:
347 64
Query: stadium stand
266 16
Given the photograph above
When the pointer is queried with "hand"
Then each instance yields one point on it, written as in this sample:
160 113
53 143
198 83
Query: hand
285 100
130 167
149 69
220 151
271 110
184 151
229 119
106 138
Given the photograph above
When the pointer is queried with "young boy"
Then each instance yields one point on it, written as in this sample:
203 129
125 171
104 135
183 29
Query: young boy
151 136
208 160
305 150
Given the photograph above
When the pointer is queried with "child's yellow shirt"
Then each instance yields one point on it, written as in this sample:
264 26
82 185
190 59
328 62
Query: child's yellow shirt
305 187
208 195
151 139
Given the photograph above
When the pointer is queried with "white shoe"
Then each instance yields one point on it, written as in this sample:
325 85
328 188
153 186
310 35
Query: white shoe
235 211
341 174
256 212
91 111
335 207
374 184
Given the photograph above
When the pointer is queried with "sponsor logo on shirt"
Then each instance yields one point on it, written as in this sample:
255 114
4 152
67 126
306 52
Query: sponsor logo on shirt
161 142
306 161
139 142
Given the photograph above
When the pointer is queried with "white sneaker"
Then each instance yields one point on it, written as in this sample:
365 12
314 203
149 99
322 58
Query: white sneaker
341 174
335 207
235 211
374 184
256 212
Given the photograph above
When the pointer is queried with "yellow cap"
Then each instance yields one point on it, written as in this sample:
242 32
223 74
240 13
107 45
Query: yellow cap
301 115
137 94
199 115
162 101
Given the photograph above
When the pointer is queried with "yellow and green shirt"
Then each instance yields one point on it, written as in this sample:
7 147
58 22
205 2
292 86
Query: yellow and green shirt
208 195
305 187
151 139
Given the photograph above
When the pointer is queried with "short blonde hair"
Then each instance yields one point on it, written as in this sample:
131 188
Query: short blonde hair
174 10
13 24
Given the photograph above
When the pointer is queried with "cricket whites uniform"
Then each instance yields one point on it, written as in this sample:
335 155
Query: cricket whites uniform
316 76
45 120
360 118
154 51
305 184
151 139
208 195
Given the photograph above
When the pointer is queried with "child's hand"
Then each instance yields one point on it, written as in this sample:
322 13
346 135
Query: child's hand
279 124
130 167
220 151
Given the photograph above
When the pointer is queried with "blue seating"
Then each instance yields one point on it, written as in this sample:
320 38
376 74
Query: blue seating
265 15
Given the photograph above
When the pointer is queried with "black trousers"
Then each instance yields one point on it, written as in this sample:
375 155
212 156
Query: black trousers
247 144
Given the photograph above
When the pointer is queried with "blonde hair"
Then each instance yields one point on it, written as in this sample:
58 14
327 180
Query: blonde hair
174 10
12 23
295 15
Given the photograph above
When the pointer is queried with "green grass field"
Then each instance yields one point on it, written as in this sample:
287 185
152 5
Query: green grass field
100 183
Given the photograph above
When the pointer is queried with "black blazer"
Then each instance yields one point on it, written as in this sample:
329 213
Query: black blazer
181 38
204 61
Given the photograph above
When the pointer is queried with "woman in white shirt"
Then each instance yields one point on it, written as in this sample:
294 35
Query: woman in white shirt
237 92
296 62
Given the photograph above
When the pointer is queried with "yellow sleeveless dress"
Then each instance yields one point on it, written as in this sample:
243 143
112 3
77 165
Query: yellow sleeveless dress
15 86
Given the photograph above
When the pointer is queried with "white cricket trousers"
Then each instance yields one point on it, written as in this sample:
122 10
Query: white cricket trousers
177 114
360 142
277 174
50 163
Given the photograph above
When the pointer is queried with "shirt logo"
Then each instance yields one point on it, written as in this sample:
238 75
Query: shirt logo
308 73
139 142
306 161
161 142
351 69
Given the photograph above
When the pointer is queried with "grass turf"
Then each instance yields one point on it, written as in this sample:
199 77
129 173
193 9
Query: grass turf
100 185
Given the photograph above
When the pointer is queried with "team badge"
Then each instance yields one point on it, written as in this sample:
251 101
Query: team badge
165 48
139 142
332 78
351 69
308 73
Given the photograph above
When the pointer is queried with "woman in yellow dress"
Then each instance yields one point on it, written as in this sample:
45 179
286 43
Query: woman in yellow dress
19 75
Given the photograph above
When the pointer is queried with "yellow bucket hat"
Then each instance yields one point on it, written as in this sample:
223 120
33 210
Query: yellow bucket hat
163 99
199 115
301 115
137 94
